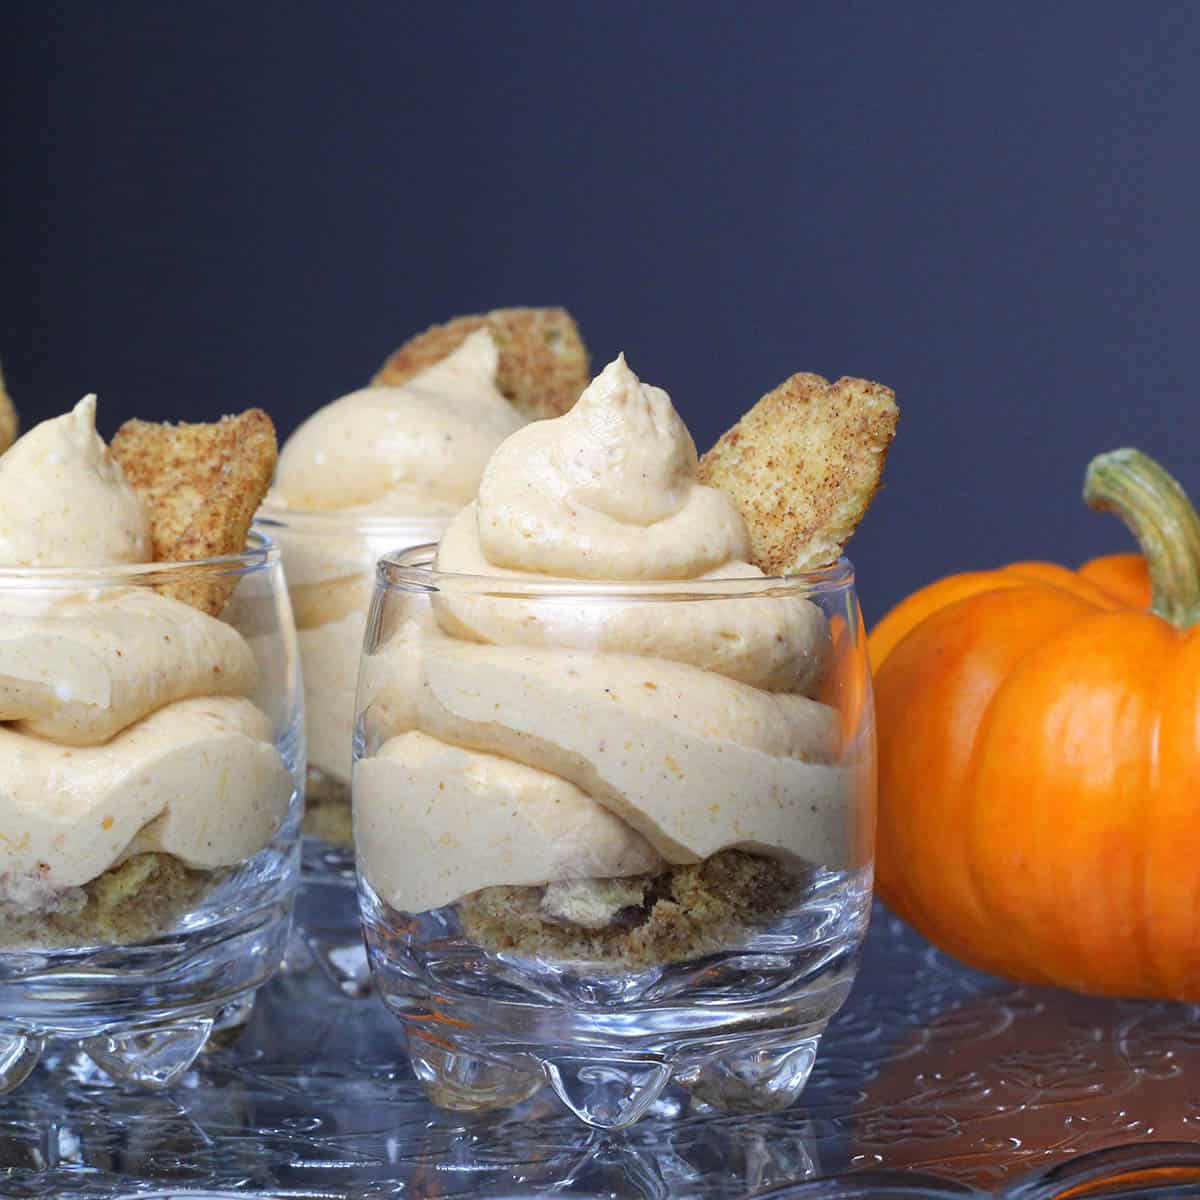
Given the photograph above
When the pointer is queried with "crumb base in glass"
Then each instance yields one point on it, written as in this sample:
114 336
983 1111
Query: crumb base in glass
143 1011
140 898
328 828
728 1030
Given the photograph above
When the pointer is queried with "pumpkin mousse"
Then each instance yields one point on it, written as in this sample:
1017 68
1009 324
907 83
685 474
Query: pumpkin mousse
594 775
134 765
389 465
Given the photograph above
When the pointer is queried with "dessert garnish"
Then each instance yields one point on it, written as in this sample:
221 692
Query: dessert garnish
201 485
543 361
802 467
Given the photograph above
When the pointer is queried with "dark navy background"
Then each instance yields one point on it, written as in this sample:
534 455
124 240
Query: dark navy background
992 208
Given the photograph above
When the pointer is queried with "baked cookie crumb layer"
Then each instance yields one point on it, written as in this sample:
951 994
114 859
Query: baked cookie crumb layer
140 898
327 813
689 911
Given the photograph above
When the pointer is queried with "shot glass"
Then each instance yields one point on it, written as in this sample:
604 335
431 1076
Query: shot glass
613 838
151 759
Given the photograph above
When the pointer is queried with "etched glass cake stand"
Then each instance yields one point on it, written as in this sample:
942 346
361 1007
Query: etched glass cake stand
933 1081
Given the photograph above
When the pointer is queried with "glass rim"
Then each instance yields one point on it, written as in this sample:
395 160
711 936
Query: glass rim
411 570
329 522
260 552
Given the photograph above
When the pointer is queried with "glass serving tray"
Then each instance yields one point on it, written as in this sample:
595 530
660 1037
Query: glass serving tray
934 1081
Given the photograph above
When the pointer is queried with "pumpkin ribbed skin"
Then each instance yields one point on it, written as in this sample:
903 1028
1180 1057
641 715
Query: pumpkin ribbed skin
1039 776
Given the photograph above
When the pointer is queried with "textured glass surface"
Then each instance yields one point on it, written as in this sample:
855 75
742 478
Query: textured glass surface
932 1081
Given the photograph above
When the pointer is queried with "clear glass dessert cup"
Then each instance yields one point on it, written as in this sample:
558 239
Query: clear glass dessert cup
329 560
614 837
138 965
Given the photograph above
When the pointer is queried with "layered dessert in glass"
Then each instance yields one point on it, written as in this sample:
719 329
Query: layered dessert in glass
151 740
614 788
386 467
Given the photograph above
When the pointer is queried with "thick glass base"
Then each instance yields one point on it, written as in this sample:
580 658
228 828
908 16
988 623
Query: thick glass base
736 1030
142 1012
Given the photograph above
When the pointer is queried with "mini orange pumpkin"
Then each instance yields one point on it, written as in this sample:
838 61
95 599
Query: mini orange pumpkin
1039 756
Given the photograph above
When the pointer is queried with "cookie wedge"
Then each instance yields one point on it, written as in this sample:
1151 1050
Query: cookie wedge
543 362
8 418
202 485
802 467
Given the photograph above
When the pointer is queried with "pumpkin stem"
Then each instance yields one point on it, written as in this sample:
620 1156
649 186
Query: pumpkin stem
1150 501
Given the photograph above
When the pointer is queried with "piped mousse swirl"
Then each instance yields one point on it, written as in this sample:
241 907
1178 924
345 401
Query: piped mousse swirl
669 730
413 450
